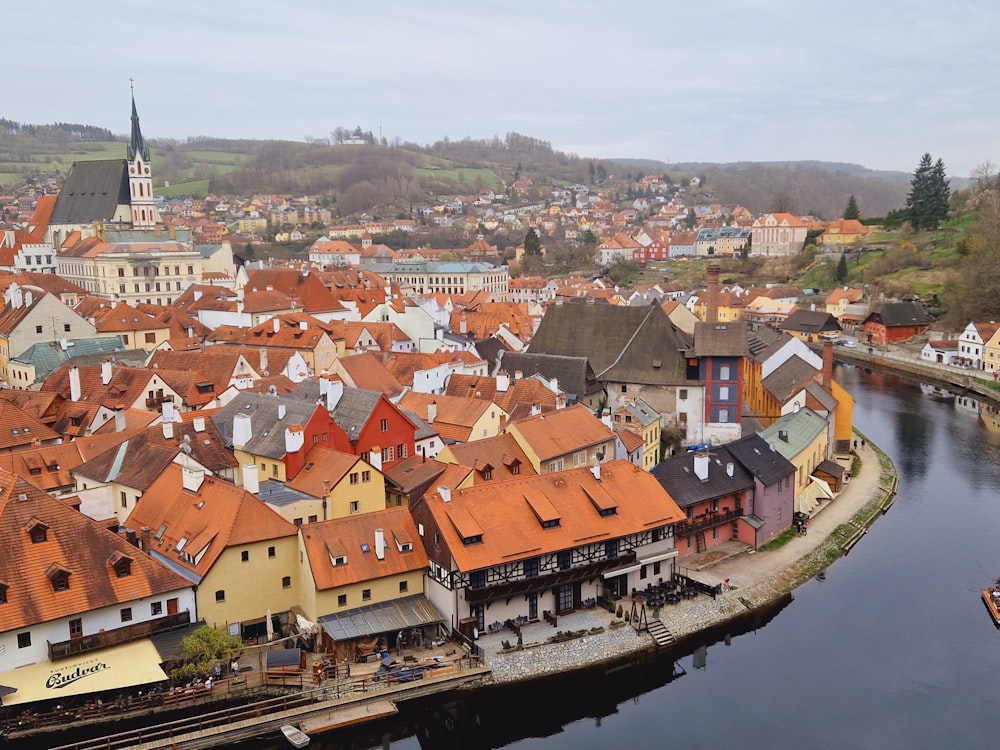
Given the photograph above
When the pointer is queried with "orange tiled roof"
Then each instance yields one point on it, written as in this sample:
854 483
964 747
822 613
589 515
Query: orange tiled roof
561 432
353 538
72 543
506 514
219 515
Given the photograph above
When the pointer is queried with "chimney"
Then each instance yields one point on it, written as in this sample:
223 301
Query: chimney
828 366
463 324
105 372
379 544
193 476
606 417
596 470
334 391
295 438
168 430
518 374
535 410
242 432
74 383
198 423
432 412
503 381
554 385
251 478
560 400
303 325
276 323
146 535
28 299
375 457
281 411
701 466
167 410
730 467
712 295
783 435
445 493
121 422
263 360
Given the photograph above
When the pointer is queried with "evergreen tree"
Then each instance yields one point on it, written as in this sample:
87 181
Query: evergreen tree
927 202
532 245
841 274
852 212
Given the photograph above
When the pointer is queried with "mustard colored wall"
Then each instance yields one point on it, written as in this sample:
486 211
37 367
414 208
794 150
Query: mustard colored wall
266 466
300 512
533 458
252 587
382 590
843 428
808 459
369 495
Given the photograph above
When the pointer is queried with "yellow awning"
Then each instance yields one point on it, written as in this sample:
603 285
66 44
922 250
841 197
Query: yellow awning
135 663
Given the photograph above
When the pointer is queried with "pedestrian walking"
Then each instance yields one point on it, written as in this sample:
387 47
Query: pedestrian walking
862 442
235 666
218 671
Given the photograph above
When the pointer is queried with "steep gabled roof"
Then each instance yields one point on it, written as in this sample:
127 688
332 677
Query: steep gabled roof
269 416
622 344
791 377
74 543
575 374
203 523
677 476
92 190
563 431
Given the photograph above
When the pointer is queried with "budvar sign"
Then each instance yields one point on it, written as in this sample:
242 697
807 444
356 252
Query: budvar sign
59 680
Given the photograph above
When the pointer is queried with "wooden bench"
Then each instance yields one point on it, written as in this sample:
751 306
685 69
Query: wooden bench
550 618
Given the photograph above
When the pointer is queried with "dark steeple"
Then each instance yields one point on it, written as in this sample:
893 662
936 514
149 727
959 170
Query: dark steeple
137 145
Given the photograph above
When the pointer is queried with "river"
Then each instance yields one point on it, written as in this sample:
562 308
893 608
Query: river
891 648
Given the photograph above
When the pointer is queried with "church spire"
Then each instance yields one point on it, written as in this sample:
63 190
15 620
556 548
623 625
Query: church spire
137 147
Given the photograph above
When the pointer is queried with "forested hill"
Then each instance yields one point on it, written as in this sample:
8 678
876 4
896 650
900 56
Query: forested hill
401 173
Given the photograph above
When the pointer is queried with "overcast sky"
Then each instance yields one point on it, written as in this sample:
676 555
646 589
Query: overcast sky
873 83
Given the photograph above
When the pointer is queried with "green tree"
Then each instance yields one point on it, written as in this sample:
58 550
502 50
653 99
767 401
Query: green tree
532 245
841 274
852 212
205 647
927 202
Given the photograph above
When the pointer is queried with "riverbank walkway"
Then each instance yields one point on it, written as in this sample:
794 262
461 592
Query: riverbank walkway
759 578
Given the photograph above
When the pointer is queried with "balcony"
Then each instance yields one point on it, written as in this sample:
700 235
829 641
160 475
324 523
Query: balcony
547 581
106 638
154 402
707 520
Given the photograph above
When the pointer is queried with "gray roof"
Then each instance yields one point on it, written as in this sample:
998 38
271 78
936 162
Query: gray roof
755 455
382 617
267 430
623 344
792 376
352 411
720 340
764 342
676 475
279 494
810 321
424 429
827 400
92 190
575 375
900 314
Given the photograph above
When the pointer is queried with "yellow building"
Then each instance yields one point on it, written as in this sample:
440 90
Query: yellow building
241 554
563 439
803 437
335 485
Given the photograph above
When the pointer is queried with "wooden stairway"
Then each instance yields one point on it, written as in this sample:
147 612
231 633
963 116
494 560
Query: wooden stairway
661 634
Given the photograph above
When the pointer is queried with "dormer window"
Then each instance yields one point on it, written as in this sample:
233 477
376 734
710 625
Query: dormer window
58 576
38 531
121 563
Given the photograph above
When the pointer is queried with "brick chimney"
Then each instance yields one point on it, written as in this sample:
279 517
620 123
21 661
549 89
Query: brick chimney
828 366
712 295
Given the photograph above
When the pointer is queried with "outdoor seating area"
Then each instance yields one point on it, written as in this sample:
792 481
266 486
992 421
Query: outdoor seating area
671 592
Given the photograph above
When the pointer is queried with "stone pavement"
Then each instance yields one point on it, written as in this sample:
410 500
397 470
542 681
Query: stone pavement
759 578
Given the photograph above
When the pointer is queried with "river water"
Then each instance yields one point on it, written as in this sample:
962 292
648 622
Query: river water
891 648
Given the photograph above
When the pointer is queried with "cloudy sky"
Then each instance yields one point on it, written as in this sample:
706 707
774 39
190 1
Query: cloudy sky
873 83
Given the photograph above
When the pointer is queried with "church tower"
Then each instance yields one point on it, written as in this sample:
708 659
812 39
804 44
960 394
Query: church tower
140 181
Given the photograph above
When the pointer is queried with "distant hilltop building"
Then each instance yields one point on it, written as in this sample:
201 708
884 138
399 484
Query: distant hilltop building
109 239
115 192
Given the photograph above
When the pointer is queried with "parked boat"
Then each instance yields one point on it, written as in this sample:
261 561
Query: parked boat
295 736
936 392
991 598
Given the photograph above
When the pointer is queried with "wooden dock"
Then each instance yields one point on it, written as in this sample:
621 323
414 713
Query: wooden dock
319 710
